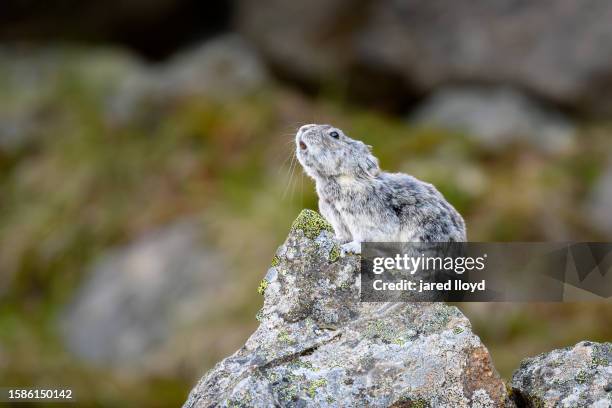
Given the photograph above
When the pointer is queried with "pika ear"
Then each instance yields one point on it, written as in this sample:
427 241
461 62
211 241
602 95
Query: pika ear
370 162
371 166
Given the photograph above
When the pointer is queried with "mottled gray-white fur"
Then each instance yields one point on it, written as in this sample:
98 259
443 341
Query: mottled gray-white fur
365 204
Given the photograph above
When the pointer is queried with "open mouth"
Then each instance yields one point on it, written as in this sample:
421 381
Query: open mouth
303 145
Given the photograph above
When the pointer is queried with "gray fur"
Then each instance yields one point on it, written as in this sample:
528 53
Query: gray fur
365 204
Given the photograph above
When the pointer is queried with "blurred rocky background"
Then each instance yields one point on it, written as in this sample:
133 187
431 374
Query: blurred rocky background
146 171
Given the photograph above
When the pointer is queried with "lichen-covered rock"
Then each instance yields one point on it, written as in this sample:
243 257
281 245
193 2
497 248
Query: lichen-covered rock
318 345
578 376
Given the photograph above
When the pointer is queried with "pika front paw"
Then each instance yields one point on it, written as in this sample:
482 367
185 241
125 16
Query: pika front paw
352 247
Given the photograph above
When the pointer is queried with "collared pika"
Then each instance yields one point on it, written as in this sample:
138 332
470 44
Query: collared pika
365 204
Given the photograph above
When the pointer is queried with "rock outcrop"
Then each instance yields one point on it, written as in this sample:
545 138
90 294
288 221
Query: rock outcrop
497 117
558 50
578 376
600 202
127 90
318 345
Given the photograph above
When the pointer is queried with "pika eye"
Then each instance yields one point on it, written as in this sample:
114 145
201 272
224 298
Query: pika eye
334 134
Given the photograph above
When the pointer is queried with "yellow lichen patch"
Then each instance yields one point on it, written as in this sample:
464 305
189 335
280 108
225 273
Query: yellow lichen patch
312 389
311 223
334 253
261 289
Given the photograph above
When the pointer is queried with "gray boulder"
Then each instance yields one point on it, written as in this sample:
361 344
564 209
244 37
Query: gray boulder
223 67
578 376
35 82
136 298
497 117
220 69
559 50
600 203
318 345
310 40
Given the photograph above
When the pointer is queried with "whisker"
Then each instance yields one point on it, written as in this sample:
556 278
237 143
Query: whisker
287 158
293 178
301 189
284 152
290 173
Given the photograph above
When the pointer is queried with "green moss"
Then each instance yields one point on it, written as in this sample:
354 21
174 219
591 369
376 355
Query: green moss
303 364
311 223
407 402
284 337
458 330
379 329
388 333
236 404
399 341
601 354
599 361
275 261
259 315
439 320
556 364
312 388
263 285
557 382
288 393
581 377
537 402
285 386
334 253
420 403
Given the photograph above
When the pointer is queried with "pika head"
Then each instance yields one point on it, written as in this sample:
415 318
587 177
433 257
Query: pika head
327 152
